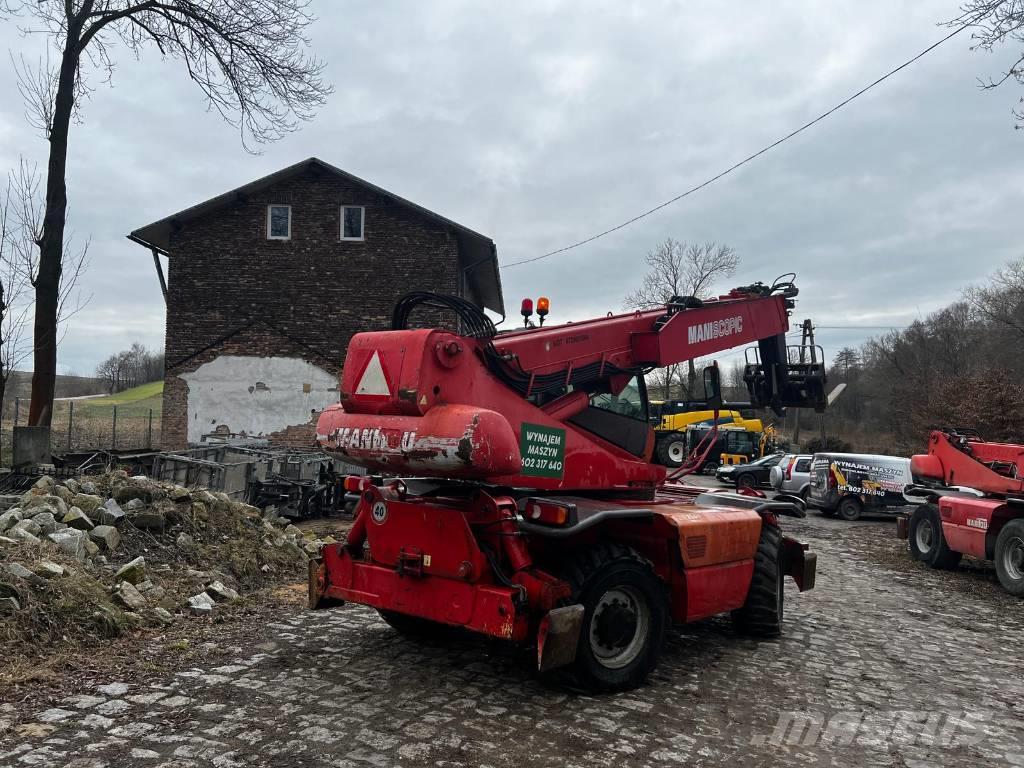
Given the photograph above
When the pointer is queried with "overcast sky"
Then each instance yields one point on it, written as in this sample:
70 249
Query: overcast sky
540 123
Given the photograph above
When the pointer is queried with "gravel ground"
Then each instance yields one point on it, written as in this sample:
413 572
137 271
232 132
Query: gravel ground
884 663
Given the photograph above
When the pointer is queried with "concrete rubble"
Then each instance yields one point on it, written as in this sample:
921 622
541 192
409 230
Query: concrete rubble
201 604
126 552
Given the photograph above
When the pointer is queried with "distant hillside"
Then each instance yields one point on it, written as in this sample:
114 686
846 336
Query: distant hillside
20 385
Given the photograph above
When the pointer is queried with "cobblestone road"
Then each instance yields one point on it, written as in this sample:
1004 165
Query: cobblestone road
897 668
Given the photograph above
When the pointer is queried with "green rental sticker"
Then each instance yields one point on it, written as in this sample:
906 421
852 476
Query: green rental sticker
542 450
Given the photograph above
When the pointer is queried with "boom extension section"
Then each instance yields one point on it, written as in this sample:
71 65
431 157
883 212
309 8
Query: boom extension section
685 329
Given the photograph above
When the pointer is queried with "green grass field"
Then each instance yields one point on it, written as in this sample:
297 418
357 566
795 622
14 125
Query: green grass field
138 399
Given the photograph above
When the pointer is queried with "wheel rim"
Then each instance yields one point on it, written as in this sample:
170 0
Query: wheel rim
745 481
924 537
619 627
1013 558
710 468
676 451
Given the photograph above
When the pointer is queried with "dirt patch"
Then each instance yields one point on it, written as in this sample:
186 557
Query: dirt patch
144 654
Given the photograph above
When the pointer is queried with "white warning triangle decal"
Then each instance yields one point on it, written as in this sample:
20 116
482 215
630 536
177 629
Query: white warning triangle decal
373 381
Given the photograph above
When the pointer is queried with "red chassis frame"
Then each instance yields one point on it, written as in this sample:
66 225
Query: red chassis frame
702 550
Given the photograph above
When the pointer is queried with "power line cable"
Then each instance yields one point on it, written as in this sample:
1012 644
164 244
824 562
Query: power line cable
861 327
744 161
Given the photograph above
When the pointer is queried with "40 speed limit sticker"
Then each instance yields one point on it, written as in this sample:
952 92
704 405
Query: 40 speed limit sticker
379 512
542 450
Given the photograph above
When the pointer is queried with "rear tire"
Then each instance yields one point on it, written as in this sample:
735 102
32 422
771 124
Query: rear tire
625 617
761 614
1010 557
850 509
710 468
927 544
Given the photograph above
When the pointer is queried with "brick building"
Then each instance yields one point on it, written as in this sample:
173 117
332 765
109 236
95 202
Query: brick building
266 284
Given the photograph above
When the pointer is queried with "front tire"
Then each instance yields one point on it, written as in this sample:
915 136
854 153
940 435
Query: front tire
761 614
624 621
1010 557
850 509
927 544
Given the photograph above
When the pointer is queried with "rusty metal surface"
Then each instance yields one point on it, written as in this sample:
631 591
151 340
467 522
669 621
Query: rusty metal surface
558 637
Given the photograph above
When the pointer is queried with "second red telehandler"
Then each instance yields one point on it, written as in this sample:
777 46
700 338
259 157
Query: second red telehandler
974 505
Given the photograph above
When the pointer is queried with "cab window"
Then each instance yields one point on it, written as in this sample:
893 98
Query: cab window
740 442
629 402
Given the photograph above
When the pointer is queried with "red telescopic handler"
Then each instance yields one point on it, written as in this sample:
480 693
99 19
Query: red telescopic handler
511 489
971 502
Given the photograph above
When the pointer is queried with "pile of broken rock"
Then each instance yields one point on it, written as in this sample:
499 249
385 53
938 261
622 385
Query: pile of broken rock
202 547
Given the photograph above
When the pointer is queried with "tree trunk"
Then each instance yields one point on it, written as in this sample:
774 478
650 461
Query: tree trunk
691 381
51 242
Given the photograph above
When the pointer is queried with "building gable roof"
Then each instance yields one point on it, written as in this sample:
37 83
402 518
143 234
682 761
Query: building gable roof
477 252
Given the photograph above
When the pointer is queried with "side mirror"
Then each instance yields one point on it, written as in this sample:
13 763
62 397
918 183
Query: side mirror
712 387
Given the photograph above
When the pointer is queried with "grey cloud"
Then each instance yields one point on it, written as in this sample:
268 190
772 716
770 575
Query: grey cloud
541 123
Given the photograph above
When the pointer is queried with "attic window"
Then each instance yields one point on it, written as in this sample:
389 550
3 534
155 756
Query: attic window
279 222
352 222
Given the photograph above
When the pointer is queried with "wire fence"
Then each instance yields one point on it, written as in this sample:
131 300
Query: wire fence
81 425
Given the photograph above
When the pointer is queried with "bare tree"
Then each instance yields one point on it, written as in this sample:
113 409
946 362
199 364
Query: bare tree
29 208
666 380
14 288
994 23
131 367
246 56
20 217
682 269
1002 300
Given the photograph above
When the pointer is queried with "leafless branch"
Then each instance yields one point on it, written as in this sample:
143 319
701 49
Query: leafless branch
994 23
681 269
37 85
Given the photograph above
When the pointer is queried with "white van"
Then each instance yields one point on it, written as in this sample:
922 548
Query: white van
849 484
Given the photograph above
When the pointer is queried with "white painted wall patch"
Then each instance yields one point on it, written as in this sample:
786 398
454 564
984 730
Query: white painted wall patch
255 395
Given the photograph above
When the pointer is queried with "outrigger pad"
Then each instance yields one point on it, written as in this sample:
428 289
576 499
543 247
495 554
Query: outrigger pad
558 636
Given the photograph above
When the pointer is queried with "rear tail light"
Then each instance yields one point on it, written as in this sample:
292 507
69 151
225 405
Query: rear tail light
789 469
549 512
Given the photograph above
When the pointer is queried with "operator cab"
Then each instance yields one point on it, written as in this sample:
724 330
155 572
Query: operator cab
623 419
620 419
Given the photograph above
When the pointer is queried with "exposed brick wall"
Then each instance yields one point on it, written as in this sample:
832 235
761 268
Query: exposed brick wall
223 272
302 436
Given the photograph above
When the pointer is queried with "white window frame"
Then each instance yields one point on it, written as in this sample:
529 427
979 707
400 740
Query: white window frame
362 224
279 237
